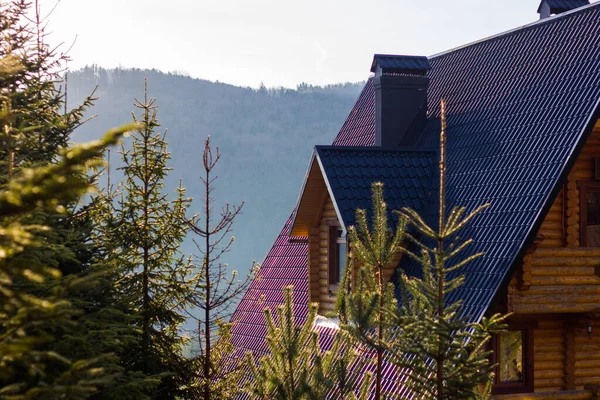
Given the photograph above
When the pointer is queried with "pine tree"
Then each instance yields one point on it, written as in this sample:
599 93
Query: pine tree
214 293
141 230
38 128
50 273
296 366
441 353
438 353
367 310
27 367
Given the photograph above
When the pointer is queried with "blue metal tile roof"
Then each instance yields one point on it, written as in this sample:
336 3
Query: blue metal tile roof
396 63
350 171
518 107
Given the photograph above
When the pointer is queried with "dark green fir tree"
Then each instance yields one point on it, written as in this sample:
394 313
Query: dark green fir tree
46 260
34 301
140 229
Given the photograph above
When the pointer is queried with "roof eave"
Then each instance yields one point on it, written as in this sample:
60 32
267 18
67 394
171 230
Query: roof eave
310 164
316 157
331 196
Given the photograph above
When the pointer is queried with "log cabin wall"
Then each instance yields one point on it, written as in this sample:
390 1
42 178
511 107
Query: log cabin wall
318 241
566 358
549 356
320 291
566 355
587 353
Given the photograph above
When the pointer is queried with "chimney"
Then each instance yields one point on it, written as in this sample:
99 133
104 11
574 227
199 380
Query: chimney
554 7
400 84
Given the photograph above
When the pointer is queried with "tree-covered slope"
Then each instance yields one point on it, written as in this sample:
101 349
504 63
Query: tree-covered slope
266 137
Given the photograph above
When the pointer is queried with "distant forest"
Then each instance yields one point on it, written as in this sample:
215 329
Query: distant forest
266 136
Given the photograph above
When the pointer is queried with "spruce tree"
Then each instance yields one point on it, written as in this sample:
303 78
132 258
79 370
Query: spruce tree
55 330
28 310
141 230
296 367
443 355
367 310
215 291
39 127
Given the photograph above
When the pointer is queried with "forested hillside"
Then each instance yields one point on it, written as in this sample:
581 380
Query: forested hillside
266 137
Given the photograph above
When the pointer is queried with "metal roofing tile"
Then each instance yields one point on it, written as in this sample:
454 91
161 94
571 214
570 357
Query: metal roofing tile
396 63
403 174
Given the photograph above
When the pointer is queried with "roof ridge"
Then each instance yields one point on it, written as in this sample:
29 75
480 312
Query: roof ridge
375 149
529 25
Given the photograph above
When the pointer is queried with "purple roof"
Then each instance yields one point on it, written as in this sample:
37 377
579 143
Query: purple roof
284 265
359 127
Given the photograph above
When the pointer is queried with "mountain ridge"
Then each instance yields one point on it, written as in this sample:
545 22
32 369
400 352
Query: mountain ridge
266 136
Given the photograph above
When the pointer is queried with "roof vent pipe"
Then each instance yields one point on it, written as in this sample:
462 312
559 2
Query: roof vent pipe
554 7
400 84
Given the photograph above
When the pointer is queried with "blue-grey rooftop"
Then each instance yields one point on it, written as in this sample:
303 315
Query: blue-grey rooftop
350 171
397 63
519 107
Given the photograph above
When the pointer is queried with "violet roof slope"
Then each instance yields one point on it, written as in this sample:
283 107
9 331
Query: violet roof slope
520 105
284 265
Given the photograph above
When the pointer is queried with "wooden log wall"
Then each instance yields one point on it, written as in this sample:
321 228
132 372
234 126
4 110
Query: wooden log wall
566 357
318 241
314 255
320 291
587 353
549 356
556 274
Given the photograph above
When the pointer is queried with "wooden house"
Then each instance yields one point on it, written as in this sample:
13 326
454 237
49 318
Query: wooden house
524 135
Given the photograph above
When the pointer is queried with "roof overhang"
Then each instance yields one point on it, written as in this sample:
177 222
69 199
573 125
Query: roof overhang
313 195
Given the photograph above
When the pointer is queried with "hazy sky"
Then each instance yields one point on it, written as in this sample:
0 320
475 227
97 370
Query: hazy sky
282 42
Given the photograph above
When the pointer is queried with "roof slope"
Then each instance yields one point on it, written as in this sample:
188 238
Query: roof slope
284 265
350 171
359 127
518 105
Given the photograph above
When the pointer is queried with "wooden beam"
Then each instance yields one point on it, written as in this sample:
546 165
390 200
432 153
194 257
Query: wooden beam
565 395
569 347
553 308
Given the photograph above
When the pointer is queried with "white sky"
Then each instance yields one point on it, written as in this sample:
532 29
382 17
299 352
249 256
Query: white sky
279 42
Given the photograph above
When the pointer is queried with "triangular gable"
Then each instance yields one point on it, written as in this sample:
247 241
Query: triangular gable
407 176
312 197
346 174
